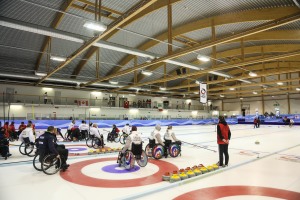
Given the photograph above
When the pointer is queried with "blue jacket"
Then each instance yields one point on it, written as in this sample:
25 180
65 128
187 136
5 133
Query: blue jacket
47 144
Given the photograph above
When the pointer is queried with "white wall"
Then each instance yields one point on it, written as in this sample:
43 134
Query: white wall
21 110
256 103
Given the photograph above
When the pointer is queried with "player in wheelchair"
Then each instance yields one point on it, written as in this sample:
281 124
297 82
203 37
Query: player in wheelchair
27 138
173 145
50 153
113 135
133 150
4 145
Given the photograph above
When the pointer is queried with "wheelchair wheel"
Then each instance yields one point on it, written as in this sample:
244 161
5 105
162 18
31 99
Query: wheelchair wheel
96 143
30 150
123 138
158 151
51 164
144 159
36 162
22 148
89 142
117 138
128 160
148 150
174 150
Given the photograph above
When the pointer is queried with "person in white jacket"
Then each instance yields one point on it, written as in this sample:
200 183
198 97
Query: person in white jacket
134 138
94 131
126 129
170 137
27 134
158 139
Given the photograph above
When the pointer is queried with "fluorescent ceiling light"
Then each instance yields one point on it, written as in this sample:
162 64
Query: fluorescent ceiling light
124 49
133 95
40 73
252 74
231 88
254 92
241 98
147 73
298 89
113 82
221 95
164 97
135 88
95 26
187 65
280 83
57 58
197 82
196 92
163 88
149 60
203 58
220 74
245 81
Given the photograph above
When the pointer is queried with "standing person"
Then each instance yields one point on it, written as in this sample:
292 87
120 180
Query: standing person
47 144
255 122
223 137
45 98
258 123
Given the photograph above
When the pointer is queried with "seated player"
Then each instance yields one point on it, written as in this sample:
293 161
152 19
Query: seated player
170 137
4 144
113 134
27 135
94 132
158 139
84 128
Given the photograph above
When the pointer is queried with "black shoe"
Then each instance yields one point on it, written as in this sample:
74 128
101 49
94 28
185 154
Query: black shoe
8 155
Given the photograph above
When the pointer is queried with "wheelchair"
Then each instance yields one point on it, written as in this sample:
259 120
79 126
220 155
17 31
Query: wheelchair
27 148
157 151
113 137
49 164
136 154
123 138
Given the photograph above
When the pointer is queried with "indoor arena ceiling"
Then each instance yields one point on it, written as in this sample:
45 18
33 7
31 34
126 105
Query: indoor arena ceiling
153 47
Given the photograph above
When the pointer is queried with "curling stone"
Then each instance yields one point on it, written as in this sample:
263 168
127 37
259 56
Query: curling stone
174 178
210 168
103 150
257 142
166 176
97 150
183 176
181 170
187 169
90 152
190 174
203 170
215 166
197 171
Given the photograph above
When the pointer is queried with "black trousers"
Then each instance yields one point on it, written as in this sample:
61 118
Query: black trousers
63 152
223 150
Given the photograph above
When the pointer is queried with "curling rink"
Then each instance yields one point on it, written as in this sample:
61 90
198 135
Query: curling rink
268 170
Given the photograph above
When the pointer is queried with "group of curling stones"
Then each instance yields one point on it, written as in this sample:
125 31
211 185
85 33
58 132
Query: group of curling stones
188 172
104 150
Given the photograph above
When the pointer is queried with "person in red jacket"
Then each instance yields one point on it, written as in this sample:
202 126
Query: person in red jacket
12 130
5 127
223 137
255 123
21 128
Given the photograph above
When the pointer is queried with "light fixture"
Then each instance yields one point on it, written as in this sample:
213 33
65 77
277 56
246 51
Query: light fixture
203 58
197 82
221 95
113 82
254 92
135 88
245 81
162 88
231 88
58 58
196 92
187 65
133 95
280 83
273 96
147 73
298 89
148 60
95 26
252 74
241 98
40 73
164 97
220 74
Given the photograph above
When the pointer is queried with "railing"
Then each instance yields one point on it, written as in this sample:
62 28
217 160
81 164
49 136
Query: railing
71 101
